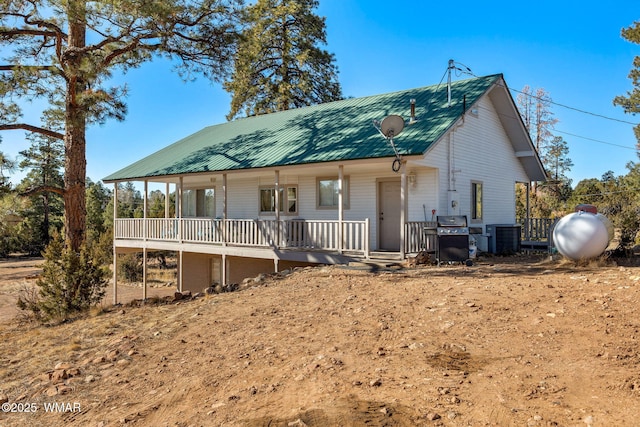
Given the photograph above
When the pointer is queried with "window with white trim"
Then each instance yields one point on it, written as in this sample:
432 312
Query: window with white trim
199 203
476 201
328 192
288 198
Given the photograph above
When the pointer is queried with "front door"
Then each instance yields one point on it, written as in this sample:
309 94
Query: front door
389 215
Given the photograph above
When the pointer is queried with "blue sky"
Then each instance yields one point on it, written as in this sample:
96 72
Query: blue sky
572 50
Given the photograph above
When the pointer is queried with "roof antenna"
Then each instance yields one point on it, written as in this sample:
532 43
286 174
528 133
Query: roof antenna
389 127
449 69
452 66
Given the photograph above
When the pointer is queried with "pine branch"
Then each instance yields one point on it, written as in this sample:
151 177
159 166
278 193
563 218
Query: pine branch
51 68
10 33
31 128
27 18
43 189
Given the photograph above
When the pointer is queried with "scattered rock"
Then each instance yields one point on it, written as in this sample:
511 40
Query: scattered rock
59 375
62 365
375 383
297 423
112 355
432 416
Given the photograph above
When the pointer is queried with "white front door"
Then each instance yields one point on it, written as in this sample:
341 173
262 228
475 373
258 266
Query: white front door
389 215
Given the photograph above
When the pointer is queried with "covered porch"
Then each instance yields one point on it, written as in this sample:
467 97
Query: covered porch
227 250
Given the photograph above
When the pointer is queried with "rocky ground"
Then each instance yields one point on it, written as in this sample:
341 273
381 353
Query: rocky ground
509 341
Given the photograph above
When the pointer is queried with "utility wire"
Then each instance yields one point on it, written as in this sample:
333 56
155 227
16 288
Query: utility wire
467 70
568 133
574 108
597 140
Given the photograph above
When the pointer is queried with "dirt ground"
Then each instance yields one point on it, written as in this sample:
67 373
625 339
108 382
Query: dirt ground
519 341
17 273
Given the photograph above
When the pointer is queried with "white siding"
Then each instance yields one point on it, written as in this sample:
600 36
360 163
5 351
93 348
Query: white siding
242 198
481 152
423 196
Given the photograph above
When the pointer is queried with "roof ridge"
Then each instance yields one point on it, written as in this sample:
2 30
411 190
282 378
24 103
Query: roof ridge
289 111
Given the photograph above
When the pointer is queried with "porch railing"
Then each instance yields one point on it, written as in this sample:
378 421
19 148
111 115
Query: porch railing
300 234
536 229
416 237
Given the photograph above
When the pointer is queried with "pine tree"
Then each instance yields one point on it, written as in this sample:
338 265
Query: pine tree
279 64
64 54
44 183
71 282
631 102
6 166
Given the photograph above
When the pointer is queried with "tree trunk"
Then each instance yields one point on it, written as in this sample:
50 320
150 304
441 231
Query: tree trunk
75 163
45 222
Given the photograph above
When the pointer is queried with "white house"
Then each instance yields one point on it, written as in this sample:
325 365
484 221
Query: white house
316 184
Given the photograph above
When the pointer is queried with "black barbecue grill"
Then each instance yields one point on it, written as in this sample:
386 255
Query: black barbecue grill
453 239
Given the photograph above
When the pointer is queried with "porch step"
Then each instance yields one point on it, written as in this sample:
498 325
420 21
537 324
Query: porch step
388 256
373 266
378 261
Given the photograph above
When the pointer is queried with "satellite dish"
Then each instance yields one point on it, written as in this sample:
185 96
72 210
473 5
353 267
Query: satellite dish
392 125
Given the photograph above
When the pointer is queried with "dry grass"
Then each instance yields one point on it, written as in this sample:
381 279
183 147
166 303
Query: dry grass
591 263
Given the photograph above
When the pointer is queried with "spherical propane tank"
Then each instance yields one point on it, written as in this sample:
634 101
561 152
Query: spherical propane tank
580 235
607 224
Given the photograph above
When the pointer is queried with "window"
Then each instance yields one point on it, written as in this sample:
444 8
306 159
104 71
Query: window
209 203
328 193
288 198
476 201
188 203
198 203
292 200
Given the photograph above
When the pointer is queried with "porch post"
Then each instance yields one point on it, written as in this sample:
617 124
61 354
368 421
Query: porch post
527 224
179 210
224 219
367 227
278 240
179 215
225 273
403 208
115 252
224 196
180 269
144 273
144 211
340 207
166 201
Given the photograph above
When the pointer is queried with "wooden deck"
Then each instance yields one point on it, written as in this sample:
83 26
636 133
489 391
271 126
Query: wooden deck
342 237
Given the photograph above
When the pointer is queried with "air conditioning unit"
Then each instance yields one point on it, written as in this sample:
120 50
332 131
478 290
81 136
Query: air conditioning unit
504 238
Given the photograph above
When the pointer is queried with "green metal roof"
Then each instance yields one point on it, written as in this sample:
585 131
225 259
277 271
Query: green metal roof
335 131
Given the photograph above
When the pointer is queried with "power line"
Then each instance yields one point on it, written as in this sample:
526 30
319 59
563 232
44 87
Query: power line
571 134
575 109
596 140
467 70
